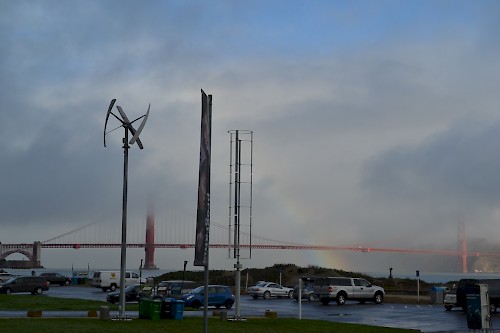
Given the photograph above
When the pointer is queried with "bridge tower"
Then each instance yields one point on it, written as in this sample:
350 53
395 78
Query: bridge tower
149 247
462 245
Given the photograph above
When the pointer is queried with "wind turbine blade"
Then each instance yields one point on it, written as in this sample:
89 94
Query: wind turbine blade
139 130
107 117
133 131
124 116
128 124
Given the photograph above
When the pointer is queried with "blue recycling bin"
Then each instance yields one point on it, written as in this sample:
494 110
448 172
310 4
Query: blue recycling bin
177 309
437 294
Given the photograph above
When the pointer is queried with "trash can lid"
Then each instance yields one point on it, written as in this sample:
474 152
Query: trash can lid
438 288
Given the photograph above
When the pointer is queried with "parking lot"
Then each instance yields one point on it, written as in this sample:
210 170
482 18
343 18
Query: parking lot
426 318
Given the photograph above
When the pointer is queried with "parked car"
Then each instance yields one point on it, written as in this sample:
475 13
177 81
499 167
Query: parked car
33 284
131 294
218 296
174 288
56 278
450 300
4 276
267 290
340 289
307 289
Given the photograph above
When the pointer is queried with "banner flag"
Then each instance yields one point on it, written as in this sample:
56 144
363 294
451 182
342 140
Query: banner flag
203 211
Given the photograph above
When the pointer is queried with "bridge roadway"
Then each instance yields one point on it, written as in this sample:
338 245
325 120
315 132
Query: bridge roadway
264 246
425 318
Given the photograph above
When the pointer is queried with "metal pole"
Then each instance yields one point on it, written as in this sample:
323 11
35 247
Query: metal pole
205 299
183 276
300 298
140 273
418 289
123 262
237 266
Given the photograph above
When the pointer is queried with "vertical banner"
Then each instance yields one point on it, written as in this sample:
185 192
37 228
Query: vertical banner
203 211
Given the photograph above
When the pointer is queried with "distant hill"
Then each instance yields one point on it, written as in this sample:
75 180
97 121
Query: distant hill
290 275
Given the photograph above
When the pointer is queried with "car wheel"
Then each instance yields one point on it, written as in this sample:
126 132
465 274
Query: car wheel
39 290
325 301
8 291
255 296
67 282
379 298
341 298
112 287
310 297
267 294
448 307
290 294
228 304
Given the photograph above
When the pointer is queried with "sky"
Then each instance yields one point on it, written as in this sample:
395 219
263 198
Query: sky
375 123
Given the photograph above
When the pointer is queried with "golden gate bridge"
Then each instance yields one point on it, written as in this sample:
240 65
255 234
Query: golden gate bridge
181 236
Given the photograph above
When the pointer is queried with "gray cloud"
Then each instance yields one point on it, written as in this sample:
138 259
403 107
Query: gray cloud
376 123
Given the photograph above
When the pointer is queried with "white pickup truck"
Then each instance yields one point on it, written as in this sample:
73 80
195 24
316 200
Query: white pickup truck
341 289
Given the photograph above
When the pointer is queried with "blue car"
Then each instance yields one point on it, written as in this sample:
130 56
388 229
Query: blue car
218 296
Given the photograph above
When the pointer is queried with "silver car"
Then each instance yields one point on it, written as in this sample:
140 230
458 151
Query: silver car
267 290
450 300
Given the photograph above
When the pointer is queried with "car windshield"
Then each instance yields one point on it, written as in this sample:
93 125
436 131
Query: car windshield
198 290
130 288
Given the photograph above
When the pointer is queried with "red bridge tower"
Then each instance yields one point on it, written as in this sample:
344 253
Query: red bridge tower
150 243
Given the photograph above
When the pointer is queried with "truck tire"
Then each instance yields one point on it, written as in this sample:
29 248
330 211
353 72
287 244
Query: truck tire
341 298
112 287
378 298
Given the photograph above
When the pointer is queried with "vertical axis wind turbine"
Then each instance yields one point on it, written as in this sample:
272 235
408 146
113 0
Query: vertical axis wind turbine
127 125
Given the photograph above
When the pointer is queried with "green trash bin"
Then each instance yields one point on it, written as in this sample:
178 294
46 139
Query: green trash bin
177 309
145 308
155 310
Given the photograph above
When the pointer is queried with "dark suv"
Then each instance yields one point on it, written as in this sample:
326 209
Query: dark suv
56 278
33 284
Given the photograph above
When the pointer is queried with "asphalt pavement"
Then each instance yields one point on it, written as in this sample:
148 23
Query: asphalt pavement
423 317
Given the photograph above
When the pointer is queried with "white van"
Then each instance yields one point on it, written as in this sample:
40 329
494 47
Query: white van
111 279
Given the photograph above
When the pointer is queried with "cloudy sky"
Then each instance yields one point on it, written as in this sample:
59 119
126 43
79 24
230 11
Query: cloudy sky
375 122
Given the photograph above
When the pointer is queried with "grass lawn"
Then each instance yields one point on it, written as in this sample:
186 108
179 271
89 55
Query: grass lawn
261 325
43 302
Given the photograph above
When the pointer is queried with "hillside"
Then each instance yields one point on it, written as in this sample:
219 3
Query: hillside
290 275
